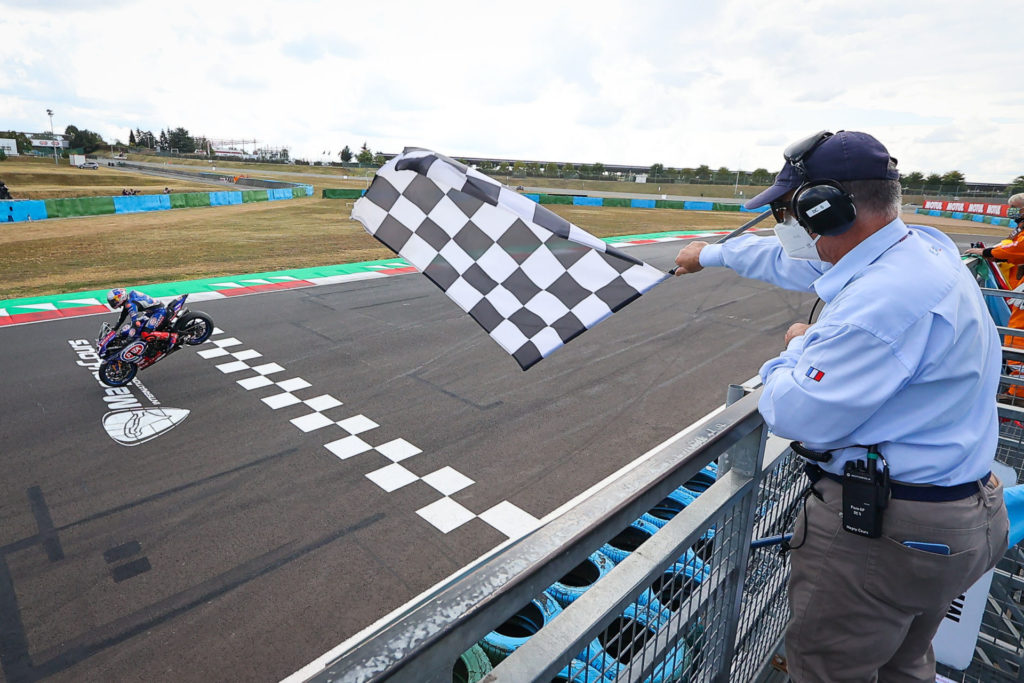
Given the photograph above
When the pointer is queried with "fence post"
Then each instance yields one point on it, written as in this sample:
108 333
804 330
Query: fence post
743 459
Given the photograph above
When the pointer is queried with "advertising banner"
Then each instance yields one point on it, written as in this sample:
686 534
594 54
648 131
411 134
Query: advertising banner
967 207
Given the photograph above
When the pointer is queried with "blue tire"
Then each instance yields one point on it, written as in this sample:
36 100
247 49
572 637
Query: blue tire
671 506
706 544
578 672
611 652
691 555
628 540
532 617
703 480
585 575
675 584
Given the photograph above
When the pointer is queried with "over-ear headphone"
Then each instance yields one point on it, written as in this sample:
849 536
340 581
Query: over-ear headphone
822 206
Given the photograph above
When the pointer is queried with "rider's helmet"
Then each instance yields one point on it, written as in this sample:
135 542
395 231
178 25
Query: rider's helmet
116 297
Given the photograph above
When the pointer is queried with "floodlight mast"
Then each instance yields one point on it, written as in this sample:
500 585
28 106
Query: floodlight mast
49 112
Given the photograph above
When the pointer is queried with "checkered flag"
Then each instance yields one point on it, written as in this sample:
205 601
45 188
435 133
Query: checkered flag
530 278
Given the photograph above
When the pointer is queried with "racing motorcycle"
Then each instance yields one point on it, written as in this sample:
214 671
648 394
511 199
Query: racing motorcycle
123 355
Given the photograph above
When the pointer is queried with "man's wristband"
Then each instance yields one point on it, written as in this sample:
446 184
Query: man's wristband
987 252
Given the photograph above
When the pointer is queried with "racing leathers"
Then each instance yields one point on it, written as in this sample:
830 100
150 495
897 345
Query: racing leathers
146 315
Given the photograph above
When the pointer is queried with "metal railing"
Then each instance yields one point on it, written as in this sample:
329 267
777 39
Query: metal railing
999 652
693 601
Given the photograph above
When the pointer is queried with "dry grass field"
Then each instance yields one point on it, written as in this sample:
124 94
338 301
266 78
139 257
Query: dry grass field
73 254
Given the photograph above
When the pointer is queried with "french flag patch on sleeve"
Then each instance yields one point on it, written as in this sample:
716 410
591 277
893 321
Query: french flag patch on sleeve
815 374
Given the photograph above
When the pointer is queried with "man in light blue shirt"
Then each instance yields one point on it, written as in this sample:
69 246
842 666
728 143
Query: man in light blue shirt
904 359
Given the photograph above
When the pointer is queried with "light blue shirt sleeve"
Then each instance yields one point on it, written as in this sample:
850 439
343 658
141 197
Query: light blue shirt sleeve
827 383
762 258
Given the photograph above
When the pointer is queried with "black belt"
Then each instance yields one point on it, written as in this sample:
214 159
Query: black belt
921 493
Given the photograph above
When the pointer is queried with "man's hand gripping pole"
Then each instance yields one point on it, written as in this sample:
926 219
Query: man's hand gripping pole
735 233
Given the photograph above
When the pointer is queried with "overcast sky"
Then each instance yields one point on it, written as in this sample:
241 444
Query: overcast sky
723 83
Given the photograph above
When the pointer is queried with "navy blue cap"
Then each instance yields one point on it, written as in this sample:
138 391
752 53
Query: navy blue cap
847 155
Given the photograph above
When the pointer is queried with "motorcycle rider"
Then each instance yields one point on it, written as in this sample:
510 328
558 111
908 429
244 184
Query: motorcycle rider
146 313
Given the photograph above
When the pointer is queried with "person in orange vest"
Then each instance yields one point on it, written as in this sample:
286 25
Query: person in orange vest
1011 251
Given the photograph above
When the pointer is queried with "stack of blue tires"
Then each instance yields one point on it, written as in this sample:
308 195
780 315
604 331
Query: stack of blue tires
615 648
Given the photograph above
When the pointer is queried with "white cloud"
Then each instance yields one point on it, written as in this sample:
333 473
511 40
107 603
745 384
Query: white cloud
683 84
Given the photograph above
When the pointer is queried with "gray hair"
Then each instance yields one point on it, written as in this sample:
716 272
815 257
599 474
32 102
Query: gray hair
1017 200
882 198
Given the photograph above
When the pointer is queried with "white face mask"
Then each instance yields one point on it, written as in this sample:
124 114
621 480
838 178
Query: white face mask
796 241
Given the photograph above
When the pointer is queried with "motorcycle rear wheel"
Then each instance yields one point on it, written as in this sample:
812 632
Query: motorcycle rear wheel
117 373
194 328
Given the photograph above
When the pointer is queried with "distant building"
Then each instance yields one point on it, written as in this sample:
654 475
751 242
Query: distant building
9 146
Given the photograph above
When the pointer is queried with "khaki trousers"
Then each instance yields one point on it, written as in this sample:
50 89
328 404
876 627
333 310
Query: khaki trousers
867 609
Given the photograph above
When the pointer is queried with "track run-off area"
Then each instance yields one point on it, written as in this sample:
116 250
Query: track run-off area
331 453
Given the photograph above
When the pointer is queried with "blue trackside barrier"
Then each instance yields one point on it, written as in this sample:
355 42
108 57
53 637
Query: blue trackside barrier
978 218
934 212
142 202
958 214
699 206
22 210
641 203
746 210
226 198
533 197
588 201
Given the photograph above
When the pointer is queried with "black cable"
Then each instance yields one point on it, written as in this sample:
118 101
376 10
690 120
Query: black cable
813 309
785 546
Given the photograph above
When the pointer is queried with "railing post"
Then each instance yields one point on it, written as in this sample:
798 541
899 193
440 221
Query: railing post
735 393
743 459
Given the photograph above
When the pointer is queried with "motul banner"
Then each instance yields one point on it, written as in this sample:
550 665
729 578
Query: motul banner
967 207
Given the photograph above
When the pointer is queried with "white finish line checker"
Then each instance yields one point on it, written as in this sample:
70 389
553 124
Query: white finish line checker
444 514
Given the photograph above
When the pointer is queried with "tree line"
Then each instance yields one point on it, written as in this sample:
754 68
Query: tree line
364 156
665 174
171 139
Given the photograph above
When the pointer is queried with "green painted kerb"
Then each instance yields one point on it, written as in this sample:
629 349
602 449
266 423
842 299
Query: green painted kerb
206 284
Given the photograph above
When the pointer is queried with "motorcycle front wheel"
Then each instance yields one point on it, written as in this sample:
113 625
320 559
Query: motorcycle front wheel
117 373
194 328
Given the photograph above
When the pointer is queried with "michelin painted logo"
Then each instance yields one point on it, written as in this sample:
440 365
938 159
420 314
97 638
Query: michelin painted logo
138 425
128 422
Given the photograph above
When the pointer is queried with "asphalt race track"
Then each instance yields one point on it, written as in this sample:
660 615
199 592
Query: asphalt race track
245 539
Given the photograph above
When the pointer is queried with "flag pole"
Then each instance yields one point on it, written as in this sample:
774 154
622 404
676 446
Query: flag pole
737 232
743 228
